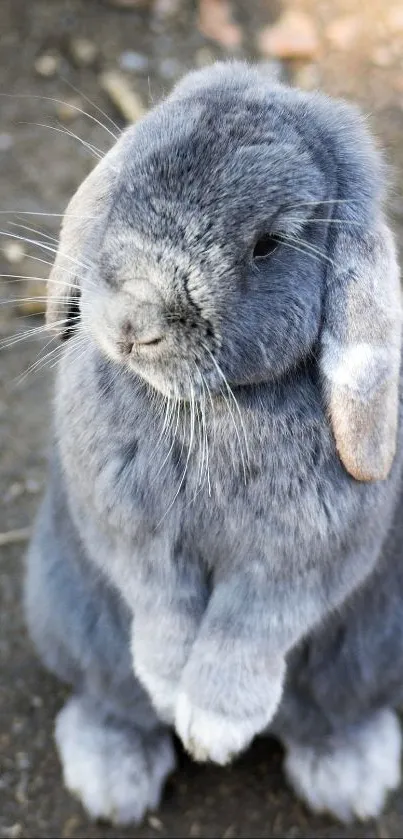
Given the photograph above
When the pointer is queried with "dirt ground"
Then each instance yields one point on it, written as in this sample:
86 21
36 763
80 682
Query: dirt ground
39 169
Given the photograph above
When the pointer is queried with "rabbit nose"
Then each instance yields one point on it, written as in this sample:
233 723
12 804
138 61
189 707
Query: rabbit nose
140 332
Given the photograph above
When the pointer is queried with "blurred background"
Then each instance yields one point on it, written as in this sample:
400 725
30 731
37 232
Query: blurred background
113 60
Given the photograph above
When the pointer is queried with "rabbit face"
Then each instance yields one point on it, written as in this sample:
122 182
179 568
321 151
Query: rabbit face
209 266
234 232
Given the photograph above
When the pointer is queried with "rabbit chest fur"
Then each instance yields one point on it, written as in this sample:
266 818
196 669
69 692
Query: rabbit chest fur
255 487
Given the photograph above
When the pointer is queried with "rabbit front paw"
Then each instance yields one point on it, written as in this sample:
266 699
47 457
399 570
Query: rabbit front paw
208 736
211 735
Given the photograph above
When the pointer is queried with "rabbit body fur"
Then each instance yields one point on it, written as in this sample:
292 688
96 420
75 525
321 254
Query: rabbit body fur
212 553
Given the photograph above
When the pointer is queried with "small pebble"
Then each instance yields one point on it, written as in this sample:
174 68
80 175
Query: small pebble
382 57
33 486
69 110
13 252
307 77
70 827
164 10
21 791
170 68
293 36
83 52
204 57
22 760
155 823
14 491
343 32
47 65
125 99
398 86
129 4
5 741
216 22
394 18
134 62
382 832
6 142
35 304
14 832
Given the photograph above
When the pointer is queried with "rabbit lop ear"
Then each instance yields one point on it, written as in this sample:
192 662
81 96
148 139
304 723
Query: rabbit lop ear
360 353
81 227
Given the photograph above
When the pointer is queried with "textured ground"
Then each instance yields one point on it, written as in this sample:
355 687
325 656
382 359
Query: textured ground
39 169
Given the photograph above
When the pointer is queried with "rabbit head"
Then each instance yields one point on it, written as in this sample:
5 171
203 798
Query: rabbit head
233 234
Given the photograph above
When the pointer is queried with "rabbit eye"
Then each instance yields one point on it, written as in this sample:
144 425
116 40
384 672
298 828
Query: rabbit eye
265 246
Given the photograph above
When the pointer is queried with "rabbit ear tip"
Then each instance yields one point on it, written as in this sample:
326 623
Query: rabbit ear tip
367 467
366 474
365 432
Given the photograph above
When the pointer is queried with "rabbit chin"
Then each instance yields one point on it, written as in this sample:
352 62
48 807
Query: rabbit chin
168 384
173 380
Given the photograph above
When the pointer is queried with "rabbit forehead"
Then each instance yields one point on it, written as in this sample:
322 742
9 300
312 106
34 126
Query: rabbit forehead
238 171
211 128
179 184
228 134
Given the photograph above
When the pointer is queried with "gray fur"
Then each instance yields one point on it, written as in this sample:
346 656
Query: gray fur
226 541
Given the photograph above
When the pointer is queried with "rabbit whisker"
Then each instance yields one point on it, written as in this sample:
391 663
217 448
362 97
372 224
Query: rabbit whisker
326 201
206 452
157 403
150 96
39 298
71 133
73 107
165 424
205 433
40 362
77 344
191 438
308 247
176 409
49 215
94 151
30 315
232 396
35 332
325 221
19 278
287 244
205 384
68 271
45 247
12 340
52 239
97 108
201 445
117 374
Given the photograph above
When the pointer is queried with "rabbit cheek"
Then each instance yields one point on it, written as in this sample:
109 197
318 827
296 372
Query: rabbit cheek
98 322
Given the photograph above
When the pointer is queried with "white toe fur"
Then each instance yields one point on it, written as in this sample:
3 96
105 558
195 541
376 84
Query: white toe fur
350 777
116 774
208 736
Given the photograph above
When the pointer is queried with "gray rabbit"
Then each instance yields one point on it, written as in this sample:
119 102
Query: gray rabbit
219 549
